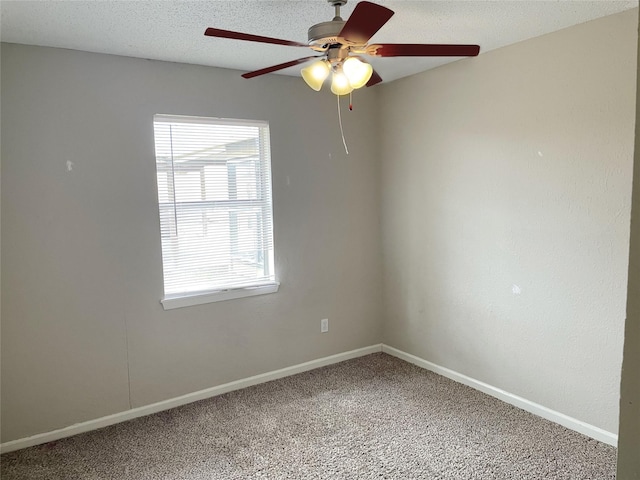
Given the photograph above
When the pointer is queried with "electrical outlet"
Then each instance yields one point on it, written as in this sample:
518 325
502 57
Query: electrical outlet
324 325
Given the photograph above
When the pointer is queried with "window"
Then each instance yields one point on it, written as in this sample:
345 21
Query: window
214 196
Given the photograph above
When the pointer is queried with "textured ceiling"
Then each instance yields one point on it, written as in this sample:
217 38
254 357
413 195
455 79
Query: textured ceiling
173 30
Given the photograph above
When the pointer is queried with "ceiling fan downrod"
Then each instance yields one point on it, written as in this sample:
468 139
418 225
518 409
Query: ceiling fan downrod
337 4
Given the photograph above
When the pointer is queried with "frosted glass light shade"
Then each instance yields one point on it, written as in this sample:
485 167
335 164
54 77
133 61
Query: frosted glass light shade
315 74
357 72
340 84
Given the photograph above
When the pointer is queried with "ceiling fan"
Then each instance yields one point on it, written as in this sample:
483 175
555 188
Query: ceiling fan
341 46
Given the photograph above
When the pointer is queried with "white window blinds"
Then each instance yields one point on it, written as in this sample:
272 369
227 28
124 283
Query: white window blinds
214 194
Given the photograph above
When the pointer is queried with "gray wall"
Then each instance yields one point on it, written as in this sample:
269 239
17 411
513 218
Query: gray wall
83 332
513 168
629 441
506 188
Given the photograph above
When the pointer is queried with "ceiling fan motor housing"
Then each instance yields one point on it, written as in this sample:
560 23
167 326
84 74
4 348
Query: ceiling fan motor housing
324 34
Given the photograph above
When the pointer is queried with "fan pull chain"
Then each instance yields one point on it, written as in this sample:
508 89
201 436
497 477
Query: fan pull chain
344 142
350 101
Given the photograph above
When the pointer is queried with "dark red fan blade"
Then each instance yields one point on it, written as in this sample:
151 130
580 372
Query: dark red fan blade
374 80
275 68
216 32
425 50
367 18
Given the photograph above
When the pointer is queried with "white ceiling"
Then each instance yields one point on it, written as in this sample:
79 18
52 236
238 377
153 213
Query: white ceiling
173 30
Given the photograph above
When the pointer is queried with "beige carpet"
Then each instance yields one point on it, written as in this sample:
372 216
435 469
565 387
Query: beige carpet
372 417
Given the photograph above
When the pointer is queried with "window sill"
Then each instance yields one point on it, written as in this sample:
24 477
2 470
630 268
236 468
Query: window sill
169 303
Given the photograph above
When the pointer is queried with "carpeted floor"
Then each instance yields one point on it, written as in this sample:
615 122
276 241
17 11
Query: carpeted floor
372 417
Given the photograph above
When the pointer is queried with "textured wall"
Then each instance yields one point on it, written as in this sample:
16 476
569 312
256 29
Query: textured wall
506 186
81 259
511 169
629 441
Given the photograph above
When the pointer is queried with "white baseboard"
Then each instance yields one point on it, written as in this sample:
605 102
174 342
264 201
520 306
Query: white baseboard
527 405
182 400
544 412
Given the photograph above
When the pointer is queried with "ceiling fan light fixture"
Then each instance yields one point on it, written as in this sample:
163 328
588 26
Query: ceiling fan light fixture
316 73
340 84
357 72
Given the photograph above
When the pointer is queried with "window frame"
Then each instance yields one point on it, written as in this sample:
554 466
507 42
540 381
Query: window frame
199 297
